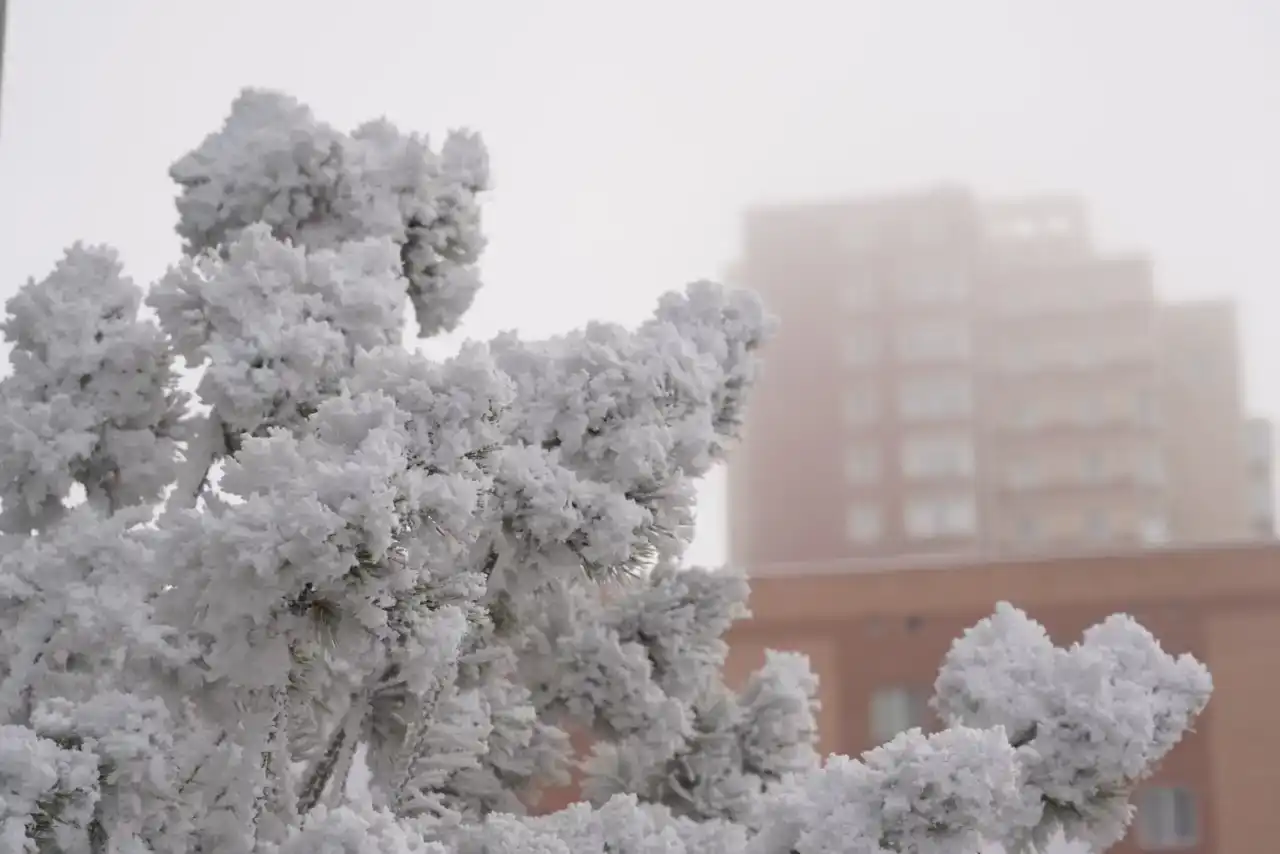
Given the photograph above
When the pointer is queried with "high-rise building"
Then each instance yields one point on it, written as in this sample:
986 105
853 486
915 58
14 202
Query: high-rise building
957 376
1260 441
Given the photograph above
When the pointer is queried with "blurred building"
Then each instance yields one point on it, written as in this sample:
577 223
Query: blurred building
962 377
876 637
1260 442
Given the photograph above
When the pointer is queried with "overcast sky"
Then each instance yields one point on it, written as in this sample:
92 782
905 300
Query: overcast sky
626 137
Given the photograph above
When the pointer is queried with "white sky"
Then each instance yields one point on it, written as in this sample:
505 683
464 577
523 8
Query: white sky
626 137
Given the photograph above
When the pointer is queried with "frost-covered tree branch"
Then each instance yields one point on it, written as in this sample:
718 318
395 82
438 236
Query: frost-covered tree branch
416 577
90 399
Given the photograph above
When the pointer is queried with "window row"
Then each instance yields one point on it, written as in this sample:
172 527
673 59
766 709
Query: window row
1129 465
1082 297
956 516
931 398
950 396
1078 354
1134 407
921 458
1094 525
951 340
936 286
927 340
923 229
923 518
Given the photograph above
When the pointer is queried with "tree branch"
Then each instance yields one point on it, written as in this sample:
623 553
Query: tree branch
205 447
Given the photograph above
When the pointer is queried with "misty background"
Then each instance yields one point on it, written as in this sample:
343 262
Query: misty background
626 139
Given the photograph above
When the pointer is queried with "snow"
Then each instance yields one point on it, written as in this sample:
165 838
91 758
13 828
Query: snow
352 599
91 399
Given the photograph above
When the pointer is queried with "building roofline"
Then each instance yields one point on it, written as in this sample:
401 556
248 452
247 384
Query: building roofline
977 560
997 205
1207 302
1242 573
868 200
1013 203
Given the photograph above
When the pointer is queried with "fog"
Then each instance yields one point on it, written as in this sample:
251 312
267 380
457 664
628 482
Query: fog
627 138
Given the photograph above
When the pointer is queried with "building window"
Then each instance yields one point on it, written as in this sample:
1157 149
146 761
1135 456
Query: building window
1144 408
1029 416
1058 354
859 295
860 350
1014 355
1194 367
928 398
860 406
940 285
1167 819
1023 475
898 709
860 237
1258 438
1097 527
862 465
934 340
1155 530
1089 411
938 456
1263 500
864 523
934 517
1092 469
1151 468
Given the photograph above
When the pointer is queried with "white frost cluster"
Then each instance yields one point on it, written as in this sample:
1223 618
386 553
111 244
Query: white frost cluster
273 163
356 601
279 326
91 398
646 673
1089 721
48 793
934 794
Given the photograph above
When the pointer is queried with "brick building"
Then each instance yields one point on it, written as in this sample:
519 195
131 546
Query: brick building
876 632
